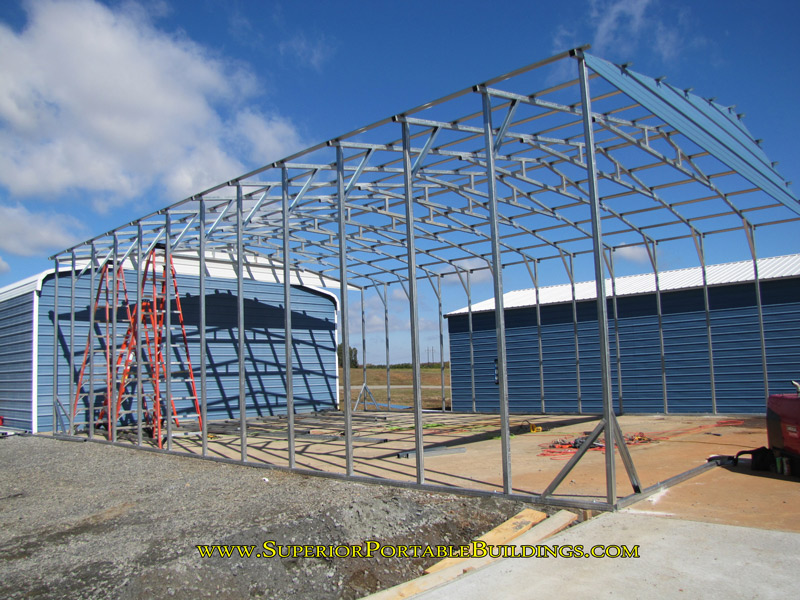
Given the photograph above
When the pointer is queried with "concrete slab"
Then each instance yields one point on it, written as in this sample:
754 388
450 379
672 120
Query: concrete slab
732 496
677 559
678 443
673 444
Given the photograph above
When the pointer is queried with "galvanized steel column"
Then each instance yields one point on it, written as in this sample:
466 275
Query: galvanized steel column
202 329
751 240
140 291
240 323
570 268
168 323
287 317
699 244
386 330
55 348
539 332
610 263
90 345
112 368
363 349
343 308
471 343
602 316
534 275
466 284
441 338
412 302
497 273
662 354
72 346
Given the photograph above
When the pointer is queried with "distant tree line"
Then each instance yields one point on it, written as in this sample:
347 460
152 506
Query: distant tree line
353 356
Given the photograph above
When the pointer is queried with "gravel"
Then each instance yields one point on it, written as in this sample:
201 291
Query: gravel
86 520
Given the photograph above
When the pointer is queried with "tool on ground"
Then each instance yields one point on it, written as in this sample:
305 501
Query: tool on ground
782 453
783 431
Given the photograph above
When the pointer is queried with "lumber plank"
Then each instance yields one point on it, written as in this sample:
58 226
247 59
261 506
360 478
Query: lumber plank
502 534
536 534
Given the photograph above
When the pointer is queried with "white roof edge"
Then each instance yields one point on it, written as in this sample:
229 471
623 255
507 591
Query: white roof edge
774 267
325 292
24 286
34 284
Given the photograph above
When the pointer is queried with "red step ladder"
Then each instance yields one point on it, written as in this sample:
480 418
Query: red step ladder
157 360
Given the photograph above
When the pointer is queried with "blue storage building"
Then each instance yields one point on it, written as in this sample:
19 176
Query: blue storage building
27 311
711 362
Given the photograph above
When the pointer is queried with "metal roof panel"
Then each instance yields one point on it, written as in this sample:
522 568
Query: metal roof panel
718 131
630 285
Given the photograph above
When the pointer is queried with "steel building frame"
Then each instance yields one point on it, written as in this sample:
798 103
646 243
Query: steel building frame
490 177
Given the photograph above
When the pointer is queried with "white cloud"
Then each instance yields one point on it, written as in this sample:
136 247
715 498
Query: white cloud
314 52
398 293
267 137
636 254
4 268
564 39
620 28
29 234
374 313
104 102
618 24
667 42
482 275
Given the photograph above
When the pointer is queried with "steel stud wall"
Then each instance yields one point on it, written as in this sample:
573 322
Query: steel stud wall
500 177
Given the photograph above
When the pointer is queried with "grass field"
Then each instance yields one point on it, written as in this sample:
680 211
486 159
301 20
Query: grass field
401 381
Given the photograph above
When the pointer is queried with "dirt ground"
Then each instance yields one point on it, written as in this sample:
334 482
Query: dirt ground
464 450
85 520
401 392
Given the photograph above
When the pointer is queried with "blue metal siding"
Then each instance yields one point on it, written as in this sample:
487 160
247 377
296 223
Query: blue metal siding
45 343
560 381
484 344
737 359
485 351
313 320
736 351
641 364
782 334
16 356
686 363
523 381
591 381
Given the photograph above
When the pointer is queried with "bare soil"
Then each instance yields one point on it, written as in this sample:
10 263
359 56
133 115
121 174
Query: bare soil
88 520
376 376
402 392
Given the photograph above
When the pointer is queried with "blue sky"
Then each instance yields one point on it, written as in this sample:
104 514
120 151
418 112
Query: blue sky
109 110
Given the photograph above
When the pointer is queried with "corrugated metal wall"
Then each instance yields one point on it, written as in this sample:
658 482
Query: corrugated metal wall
16 355
736 353
314 331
